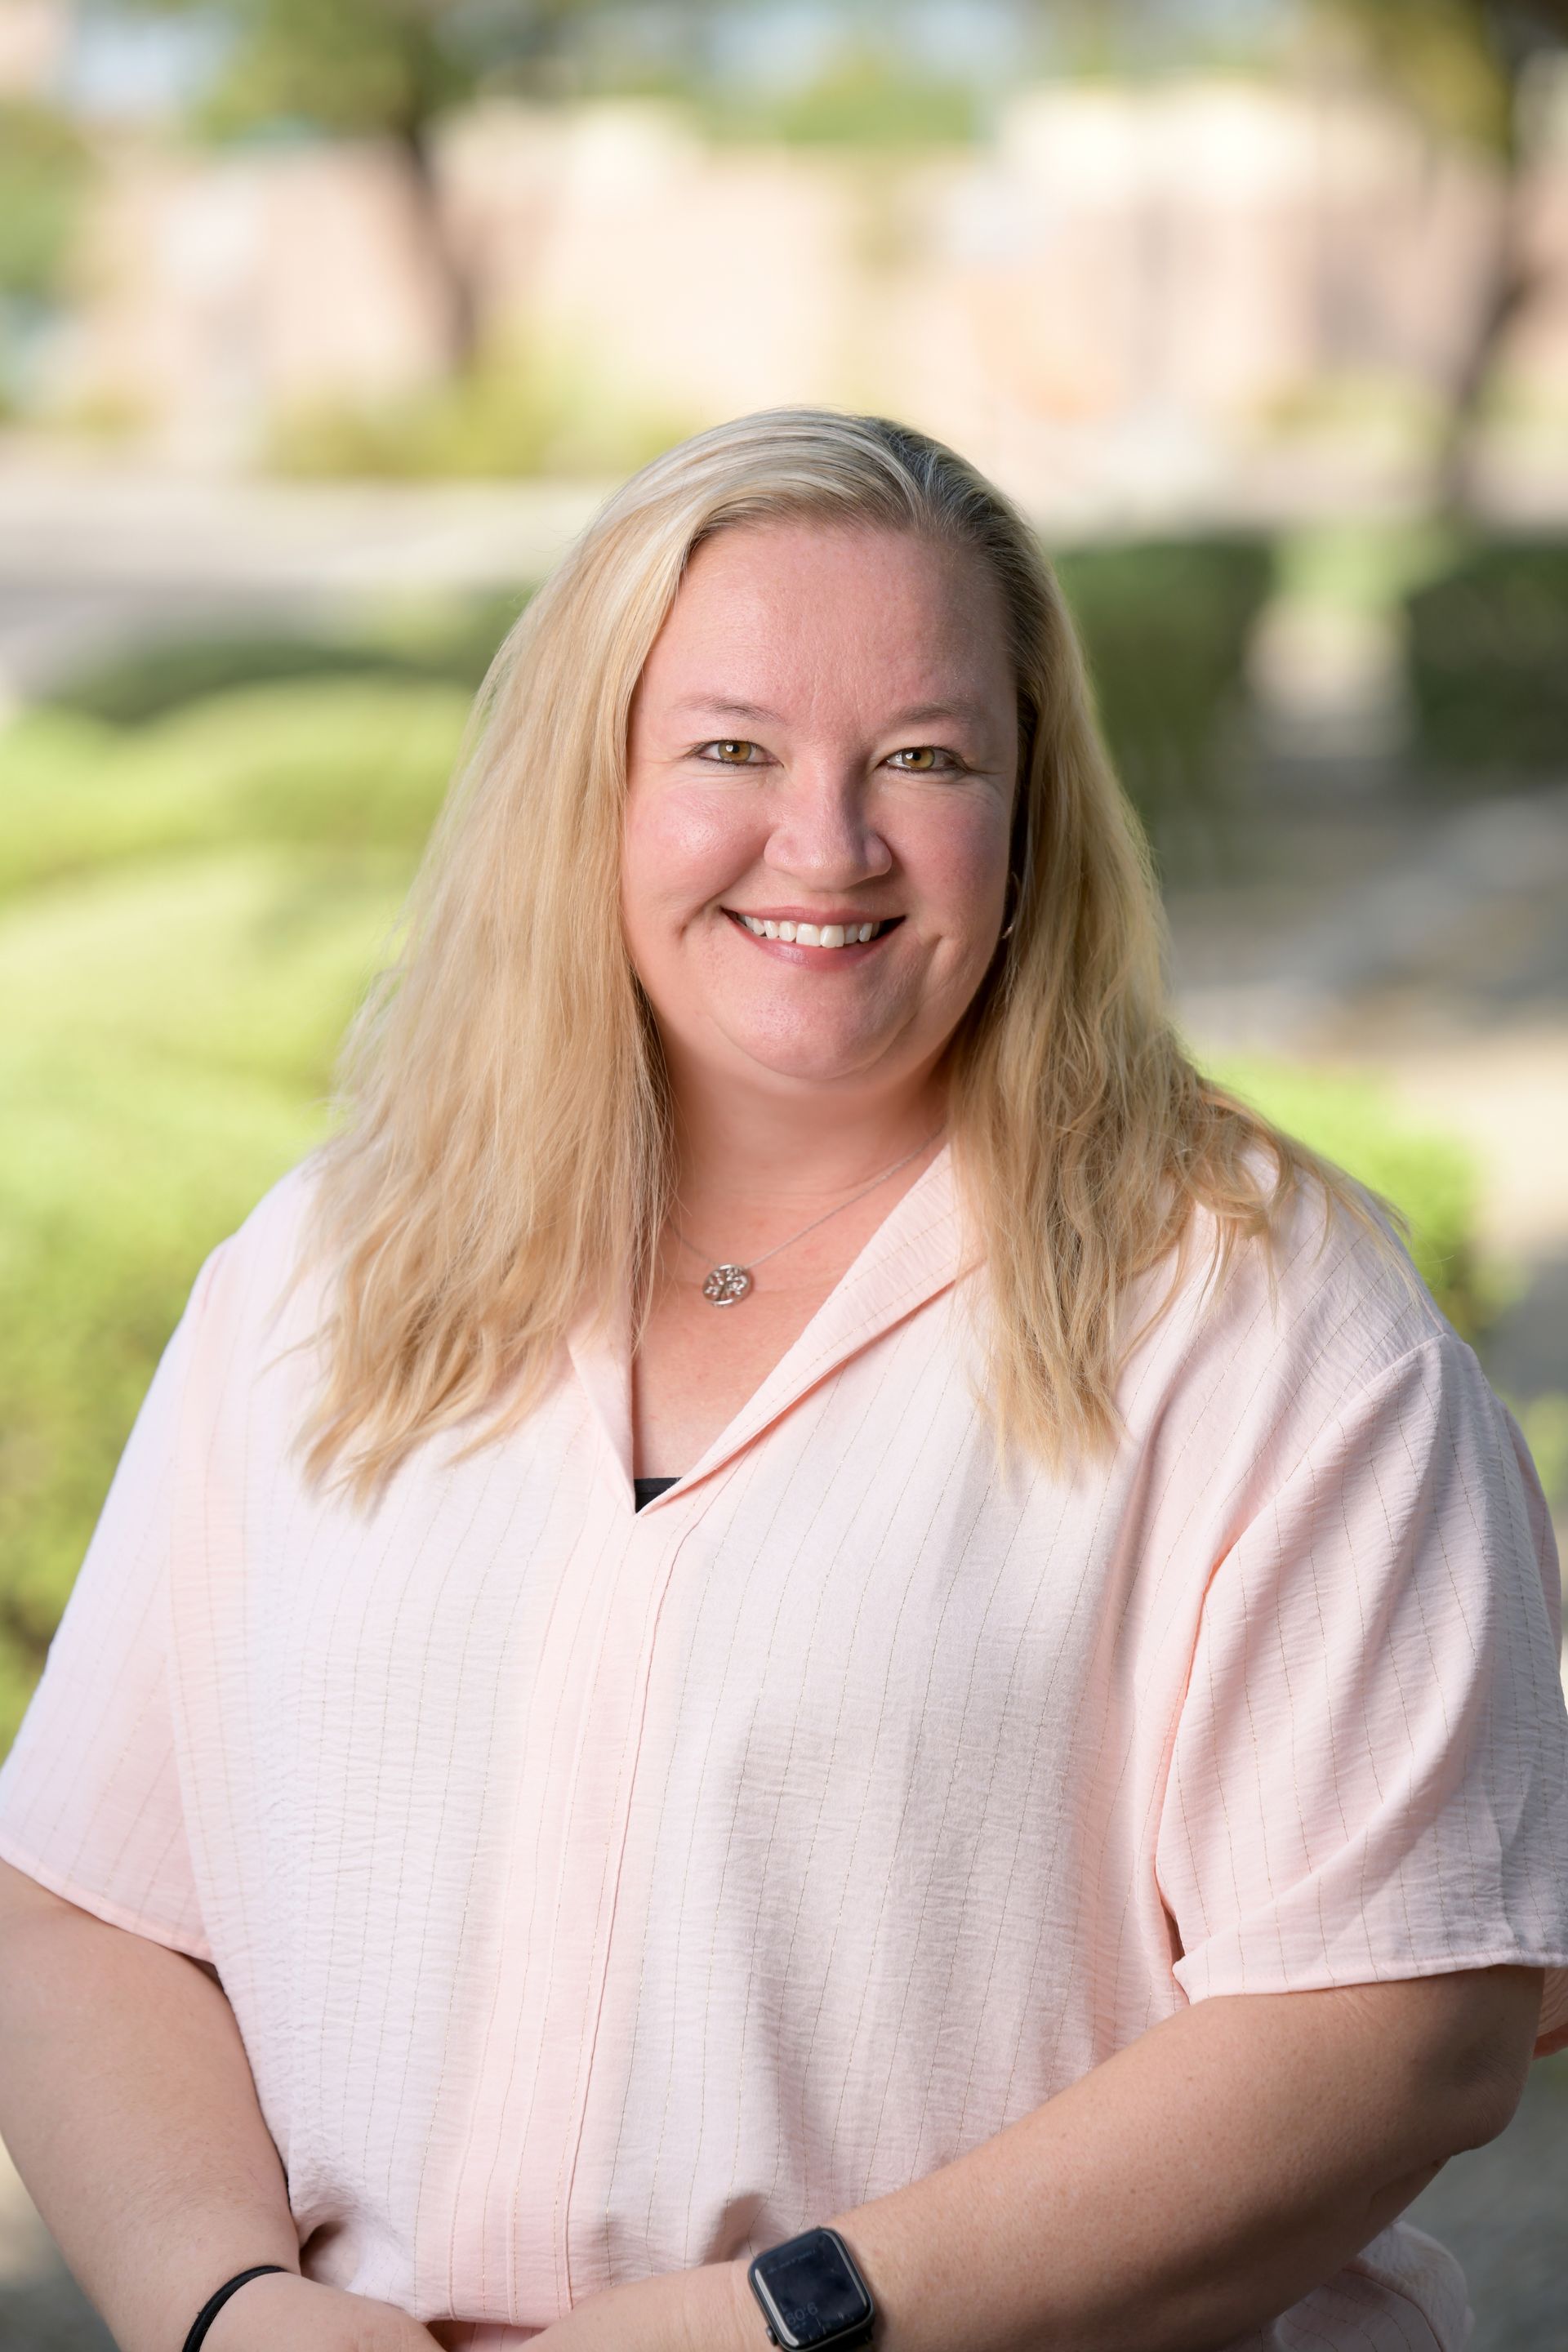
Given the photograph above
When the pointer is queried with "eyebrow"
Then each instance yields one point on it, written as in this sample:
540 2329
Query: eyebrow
717 707
918 714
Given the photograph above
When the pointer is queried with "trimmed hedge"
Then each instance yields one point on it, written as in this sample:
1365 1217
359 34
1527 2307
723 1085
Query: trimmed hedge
1488 661
354 763
189 910
455 641
1165 626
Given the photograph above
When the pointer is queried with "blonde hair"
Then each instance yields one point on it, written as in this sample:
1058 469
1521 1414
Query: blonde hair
506 1163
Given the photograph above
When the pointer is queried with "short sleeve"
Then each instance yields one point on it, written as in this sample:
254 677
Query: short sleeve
90 1794
1369 1772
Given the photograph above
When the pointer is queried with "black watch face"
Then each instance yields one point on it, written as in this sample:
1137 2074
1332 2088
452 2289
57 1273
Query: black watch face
810 2291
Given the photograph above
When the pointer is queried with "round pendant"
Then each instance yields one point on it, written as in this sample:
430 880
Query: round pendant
726 1283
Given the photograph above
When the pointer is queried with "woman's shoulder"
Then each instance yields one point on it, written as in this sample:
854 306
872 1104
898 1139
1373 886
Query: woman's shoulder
262 1270
1318 1307
1318 1346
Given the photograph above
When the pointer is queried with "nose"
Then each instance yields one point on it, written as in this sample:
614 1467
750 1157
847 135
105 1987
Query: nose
823 835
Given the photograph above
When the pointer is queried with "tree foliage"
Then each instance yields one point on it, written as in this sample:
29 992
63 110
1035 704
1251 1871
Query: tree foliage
368 69
1459 63
358 68
44 167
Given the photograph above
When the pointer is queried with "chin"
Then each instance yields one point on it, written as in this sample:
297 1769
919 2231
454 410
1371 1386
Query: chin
807 1061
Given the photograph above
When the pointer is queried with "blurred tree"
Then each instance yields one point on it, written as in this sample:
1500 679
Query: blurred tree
45 166
388 69
1465 66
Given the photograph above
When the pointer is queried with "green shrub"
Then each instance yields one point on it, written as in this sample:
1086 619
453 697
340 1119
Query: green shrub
1429 1177
118 1173
248 960
355 764
1165 626
865 100
178 1024
46 169
1544 1422
1488 661
222 881
158 678
503 417
452 638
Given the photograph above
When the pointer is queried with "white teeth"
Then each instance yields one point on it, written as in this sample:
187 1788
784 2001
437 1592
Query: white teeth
811 935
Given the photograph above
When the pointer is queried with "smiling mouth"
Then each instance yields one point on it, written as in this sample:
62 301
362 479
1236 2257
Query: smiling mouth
814 935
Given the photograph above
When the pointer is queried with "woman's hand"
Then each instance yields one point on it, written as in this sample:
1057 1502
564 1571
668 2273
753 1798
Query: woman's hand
711 2309
282 2310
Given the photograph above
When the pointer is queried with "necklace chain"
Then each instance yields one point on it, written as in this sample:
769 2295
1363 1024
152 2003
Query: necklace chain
729 1282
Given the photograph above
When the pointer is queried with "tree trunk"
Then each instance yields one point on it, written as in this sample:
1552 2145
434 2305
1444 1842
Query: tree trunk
462 313
1513 279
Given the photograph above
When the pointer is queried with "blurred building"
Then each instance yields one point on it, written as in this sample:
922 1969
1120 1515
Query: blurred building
35 37
1173 266
215 290
1538 344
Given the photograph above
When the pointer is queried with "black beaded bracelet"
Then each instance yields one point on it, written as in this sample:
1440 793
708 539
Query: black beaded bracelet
215 2303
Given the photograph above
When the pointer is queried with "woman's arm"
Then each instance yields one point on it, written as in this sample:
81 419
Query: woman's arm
1207 2176
127 2104
1196 2184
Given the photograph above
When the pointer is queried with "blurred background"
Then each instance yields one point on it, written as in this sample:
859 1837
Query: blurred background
324 323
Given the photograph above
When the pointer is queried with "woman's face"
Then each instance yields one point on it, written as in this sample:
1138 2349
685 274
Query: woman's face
825 733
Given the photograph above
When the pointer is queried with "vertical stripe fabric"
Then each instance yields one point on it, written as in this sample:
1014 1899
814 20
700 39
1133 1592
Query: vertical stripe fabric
604 1891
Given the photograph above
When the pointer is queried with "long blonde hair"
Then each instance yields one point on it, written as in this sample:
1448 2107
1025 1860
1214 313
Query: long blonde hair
506 1162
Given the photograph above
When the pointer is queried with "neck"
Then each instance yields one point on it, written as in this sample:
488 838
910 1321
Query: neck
751 1165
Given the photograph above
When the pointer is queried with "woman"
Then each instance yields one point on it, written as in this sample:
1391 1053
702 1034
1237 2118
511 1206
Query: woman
802 1582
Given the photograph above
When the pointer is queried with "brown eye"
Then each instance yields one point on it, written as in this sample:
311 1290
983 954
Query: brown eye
735 753
921 759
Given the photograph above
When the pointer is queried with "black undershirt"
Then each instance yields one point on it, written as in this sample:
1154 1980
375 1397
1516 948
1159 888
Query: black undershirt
646 1488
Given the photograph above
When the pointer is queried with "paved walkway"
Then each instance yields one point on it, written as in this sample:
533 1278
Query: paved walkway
95 561
1503 2209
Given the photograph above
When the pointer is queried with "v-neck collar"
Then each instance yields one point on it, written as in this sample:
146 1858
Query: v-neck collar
917 1252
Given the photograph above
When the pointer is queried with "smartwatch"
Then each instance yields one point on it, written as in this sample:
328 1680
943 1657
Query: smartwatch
812 2294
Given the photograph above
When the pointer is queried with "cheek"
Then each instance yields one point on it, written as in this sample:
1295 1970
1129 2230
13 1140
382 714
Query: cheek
959 862
682 847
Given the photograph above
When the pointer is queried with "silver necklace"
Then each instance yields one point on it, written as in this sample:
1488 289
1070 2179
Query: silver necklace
728 1283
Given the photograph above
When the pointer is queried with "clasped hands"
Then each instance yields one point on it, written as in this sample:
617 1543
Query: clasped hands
709 2309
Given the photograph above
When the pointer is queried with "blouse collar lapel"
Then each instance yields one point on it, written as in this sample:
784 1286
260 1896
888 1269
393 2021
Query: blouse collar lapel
916 1253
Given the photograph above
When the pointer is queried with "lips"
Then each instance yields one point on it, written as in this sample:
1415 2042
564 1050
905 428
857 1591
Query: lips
836 932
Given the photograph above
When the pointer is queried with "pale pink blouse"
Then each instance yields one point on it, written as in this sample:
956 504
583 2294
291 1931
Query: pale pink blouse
602 1892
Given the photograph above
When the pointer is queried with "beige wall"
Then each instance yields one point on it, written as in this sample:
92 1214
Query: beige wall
1178 260
34 37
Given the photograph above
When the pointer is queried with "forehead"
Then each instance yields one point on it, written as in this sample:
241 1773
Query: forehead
783 610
